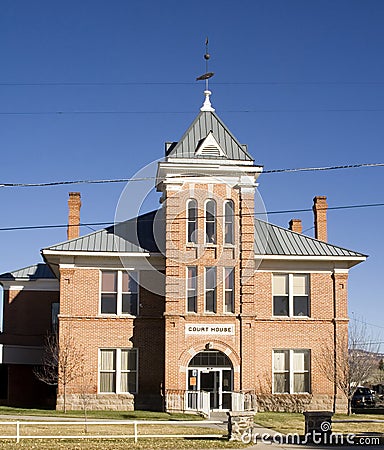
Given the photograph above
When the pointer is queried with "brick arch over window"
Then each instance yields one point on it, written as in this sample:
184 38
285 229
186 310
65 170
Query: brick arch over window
188 354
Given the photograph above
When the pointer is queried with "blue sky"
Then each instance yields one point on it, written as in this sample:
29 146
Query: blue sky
300 82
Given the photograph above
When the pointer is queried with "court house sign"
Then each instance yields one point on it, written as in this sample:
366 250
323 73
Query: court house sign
215 329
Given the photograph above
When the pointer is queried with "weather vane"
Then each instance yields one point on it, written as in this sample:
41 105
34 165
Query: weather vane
206 76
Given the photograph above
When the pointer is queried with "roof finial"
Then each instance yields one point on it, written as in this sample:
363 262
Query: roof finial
207 103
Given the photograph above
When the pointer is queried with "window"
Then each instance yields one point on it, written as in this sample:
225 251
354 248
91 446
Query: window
291 372
291 295
229 217
210 289
192 221
55 310
229 304
119 292
191 289
210 222
118 370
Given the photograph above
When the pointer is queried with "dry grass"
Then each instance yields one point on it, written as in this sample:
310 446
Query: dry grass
294 423
115 444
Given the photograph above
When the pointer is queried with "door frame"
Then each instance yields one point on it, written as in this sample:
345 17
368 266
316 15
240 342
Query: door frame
196 373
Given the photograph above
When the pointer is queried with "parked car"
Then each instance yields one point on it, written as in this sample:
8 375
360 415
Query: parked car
363 398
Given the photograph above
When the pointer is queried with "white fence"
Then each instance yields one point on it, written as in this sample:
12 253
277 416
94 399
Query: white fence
22 426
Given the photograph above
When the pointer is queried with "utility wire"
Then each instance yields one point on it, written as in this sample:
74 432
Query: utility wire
260 110
126 180
191 83
36 227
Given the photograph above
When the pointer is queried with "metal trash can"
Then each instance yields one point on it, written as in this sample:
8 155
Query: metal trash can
318 426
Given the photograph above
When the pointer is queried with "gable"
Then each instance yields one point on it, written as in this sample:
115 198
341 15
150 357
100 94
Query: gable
210 147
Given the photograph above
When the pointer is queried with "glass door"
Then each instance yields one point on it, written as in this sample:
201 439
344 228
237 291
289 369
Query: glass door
210 382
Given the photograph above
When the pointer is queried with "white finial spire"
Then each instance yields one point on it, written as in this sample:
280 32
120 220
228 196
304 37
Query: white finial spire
207 102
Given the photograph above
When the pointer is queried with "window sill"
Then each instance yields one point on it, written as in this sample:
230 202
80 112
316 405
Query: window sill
291 393
291 317
117 316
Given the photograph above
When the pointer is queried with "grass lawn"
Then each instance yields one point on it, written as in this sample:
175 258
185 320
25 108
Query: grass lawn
294 423
111 444
111 415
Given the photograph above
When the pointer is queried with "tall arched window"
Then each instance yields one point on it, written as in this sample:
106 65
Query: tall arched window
229 220
210 222
192 221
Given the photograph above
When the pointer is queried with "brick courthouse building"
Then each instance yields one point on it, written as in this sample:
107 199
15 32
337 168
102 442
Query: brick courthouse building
195 306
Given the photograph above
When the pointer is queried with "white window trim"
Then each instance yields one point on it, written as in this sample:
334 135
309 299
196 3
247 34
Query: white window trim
229 290
214 289
191 243
229 244
290 296
290 371
187 290
118 370
210 244
119 300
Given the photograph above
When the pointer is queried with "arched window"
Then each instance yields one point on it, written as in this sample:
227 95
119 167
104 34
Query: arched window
210 222
192 221
229 220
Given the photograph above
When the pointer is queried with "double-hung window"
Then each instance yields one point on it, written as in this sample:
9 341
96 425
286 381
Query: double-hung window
192 221
118 370
210 222
229 220
119 292
210 289
191 289
229 290
291 295
291 371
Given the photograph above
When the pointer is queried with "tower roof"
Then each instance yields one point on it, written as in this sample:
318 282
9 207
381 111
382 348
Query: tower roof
208 132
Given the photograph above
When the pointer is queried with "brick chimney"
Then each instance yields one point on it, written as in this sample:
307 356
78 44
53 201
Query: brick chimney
74 205
296 225
320 216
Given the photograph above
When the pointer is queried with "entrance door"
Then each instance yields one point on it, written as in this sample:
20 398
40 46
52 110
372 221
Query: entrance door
210 382
210 371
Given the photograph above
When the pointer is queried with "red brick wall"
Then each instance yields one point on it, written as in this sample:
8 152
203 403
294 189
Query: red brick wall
27 316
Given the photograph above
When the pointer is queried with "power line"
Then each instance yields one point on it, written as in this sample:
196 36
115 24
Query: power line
366 323
312 169
126 180
246 111
36 227
192 83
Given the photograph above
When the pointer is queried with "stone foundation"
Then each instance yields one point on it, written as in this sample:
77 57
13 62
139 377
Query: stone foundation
297 403
283 402
97 402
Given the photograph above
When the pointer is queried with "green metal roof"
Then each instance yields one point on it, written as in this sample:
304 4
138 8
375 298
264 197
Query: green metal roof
207 122
274 240
136 235
34 272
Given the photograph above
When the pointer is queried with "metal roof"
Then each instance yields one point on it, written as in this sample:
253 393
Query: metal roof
34 272
205 123
136 235
146 233
274 240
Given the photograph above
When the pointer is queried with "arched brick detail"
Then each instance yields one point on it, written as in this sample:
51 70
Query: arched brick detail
188 354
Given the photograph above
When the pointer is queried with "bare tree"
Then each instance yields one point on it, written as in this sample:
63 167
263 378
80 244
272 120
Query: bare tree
63 362
349 361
